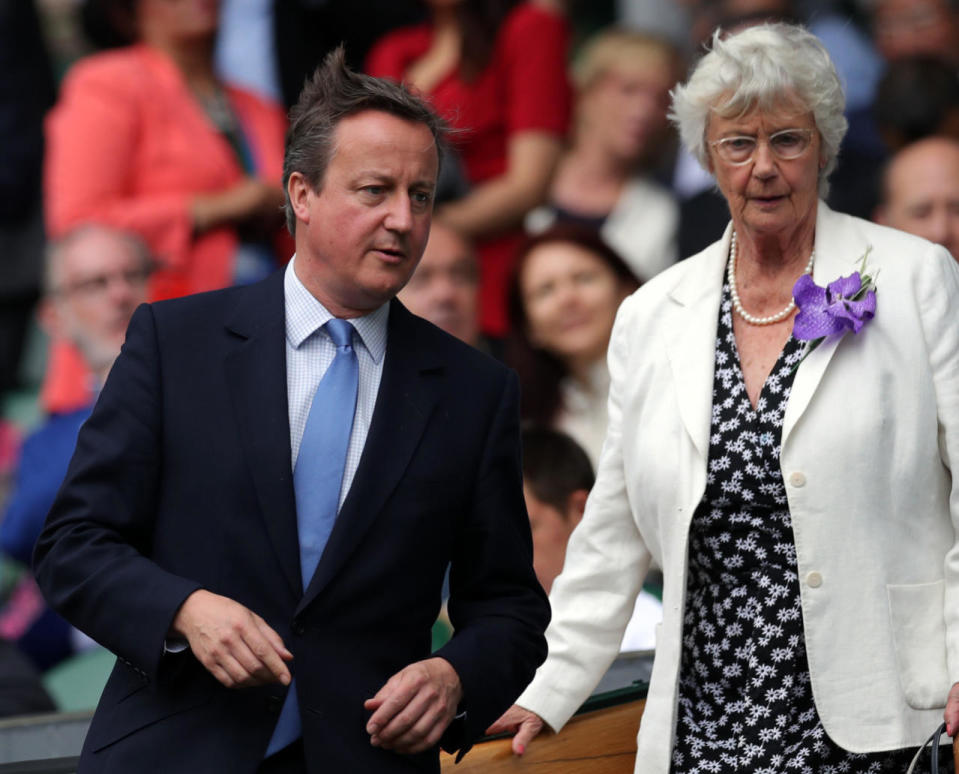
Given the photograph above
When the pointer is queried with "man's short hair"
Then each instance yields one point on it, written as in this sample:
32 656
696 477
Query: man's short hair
554 466
331 94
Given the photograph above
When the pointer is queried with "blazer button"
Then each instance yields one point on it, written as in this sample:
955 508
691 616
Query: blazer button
298 628
797 479
814 580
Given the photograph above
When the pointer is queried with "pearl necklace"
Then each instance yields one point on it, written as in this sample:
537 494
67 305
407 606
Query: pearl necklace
734 294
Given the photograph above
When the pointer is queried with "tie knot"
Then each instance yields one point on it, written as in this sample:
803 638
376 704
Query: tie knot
340 331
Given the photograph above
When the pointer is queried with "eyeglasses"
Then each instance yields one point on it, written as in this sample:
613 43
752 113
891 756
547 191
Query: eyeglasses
98 284
786 145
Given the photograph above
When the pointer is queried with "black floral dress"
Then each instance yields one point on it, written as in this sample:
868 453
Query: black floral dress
745 700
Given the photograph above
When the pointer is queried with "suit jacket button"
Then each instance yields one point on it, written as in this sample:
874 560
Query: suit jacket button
298 628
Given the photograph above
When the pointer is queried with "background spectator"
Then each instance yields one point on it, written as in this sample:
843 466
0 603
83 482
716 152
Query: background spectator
920 192
917 97
563 297
557 478
95 278
620 129
147 138
495 69
444 287
907 28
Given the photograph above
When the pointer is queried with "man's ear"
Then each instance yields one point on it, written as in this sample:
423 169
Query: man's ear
300 192
575 507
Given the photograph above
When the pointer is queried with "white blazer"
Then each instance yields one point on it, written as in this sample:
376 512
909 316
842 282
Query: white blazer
869 438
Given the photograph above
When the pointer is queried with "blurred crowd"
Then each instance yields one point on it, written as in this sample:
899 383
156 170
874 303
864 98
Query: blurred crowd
141 150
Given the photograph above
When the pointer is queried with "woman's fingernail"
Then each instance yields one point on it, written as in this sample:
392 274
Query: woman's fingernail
520 749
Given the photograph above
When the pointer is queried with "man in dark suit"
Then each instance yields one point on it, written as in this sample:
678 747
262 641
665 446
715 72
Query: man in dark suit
269 596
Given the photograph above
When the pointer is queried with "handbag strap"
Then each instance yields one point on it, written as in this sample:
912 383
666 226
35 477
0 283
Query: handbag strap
933 744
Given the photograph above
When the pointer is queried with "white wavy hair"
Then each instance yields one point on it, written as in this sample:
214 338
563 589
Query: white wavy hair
762 67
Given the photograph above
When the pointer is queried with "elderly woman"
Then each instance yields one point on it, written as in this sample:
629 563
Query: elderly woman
789 470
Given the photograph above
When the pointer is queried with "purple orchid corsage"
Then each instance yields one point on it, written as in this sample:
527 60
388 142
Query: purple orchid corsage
848 303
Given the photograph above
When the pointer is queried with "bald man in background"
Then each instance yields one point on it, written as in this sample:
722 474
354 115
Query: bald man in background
920 192
444 288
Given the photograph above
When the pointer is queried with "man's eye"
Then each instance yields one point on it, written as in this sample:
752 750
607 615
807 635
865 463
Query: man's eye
421 197
374 190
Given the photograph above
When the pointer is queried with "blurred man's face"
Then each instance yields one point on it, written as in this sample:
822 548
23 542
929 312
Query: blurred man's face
443 289
922 192
904 28
99 280
551 529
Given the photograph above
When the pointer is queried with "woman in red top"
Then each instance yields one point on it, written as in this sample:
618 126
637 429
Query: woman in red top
495 69
147 138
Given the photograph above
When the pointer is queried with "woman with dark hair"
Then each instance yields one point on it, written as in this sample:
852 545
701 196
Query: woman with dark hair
562 299
496 70
147 138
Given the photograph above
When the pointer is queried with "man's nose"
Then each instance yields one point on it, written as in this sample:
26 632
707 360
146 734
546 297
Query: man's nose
400 215
121 289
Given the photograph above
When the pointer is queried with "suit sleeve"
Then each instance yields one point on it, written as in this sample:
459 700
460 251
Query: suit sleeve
92 560
497 607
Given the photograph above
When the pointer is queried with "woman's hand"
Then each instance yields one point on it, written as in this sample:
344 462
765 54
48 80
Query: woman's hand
951 715
502 202
525 725
252 204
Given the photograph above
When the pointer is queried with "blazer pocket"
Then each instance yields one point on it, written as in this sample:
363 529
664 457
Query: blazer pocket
134 710
919 636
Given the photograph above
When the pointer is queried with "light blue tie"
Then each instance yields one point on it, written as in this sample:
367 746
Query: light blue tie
317 479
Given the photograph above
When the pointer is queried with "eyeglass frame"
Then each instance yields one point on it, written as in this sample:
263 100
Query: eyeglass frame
805 131
98 284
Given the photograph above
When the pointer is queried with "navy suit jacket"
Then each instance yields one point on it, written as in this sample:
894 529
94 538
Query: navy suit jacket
182 479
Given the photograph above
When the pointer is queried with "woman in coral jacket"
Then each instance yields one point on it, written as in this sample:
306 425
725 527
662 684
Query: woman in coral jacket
147 138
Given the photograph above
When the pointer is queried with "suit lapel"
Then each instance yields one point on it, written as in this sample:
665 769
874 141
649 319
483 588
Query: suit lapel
838 250
408 391
689 327
256 375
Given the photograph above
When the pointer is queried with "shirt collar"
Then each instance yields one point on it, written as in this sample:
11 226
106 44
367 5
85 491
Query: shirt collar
305 315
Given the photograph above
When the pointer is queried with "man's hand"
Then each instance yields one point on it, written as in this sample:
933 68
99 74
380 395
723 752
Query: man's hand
951 715
413 709
521 722
235 645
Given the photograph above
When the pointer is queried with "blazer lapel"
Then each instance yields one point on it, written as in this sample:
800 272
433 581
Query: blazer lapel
408 391
838 251
256 375
690 330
